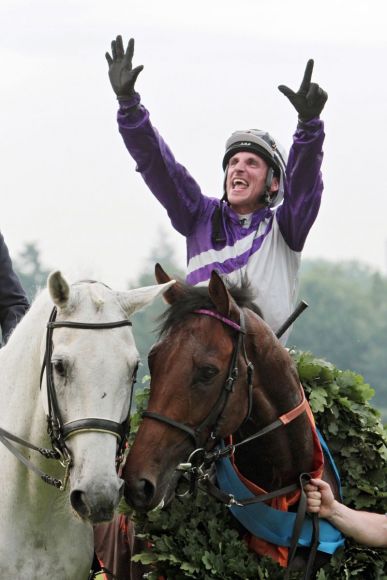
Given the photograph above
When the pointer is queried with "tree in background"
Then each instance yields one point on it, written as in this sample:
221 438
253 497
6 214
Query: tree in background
347 320
29 268
145 322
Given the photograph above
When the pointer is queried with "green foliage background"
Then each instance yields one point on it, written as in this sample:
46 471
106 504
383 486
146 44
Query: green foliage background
347 320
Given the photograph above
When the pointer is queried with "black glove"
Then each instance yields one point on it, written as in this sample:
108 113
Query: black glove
122 75
310 99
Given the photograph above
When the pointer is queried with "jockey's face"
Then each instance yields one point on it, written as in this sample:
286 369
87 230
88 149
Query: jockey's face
246 176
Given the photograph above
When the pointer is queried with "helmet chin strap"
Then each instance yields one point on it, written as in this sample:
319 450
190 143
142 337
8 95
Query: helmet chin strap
267 194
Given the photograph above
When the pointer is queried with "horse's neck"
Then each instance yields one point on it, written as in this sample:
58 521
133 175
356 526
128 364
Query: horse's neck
277 458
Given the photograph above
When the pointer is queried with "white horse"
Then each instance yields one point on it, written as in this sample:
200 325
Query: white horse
45 532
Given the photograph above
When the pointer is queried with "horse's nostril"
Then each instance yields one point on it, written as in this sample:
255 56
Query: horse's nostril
78 503
148 489
139 493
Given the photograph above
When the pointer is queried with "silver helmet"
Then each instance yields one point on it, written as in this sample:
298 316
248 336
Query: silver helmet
264 145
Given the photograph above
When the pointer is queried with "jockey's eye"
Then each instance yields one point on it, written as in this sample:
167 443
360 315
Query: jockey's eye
205 374
59 367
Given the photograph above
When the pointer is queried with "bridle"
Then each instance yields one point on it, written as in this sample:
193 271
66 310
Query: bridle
59 431
212 420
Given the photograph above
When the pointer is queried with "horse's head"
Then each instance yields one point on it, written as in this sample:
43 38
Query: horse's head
90 366
191 402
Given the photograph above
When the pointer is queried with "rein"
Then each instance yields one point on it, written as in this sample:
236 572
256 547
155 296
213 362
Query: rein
58 431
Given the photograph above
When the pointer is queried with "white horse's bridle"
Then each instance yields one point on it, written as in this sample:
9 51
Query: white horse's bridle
58 431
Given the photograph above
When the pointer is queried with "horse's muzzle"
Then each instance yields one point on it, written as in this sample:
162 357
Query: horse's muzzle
94 506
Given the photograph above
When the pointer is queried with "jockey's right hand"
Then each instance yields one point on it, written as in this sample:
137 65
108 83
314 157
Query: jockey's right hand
121 73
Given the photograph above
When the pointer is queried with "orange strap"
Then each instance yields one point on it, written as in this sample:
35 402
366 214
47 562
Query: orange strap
290 415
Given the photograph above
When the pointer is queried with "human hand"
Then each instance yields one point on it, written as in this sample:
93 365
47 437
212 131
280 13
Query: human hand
319 498
310 98
121 73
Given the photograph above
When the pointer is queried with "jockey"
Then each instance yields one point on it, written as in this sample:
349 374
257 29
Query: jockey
13 300
258 230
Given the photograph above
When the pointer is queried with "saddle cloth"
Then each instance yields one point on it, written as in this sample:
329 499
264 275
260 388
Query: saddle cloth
269 527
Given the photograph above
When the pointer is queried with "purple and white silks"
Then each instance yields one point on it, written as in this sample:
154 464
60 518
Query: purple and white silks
268 251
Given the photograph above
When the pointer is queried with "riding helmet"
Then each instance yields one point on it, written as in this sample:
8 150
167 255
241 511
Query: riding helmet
263 144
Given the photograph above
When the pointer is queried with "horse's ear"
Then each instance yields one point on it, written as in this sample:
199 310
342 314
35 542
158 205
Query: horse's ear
134 300
59 289
161 275
175 292
221 297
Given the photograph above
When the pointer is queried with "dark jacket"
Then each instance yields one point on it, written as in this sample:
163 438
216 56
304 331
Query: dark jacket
13 300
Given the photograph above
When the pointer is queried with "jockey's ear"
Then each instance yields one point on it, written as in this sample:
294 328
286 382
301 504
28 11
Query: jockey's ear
222 299
172 294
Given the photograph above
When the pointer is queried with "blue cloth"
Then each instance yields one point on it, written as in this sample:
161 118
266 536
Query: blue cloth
273 525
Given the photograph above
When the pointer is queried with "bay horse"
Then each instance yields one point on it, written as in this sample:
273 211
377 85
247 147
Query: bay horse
66 378
219 370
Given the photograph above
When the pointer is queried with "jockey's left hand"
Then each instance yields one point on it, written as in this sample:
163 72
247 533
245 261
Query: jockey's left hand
310 98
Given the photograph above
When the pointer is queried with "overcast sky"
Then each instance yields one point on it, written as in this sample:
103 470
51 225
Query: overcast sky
211 67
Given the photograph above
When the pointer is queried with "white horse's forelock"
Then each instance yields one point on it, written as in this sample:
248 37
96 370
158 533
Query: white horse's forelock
96 296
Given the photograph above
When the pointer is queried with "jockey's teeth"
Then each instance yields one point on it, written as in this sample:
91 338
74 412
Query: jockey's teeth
239 183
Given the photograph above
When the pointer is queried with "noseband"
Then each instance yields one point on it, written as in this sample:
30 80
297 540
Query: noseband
58 431
213 418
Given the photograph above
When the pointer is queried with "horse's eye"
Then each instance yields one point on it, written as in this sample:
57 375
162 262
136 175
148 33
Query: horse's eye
59 367
205 374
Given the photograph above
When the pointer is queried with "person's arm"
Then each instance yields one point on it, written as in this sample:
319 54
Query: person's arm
169 181
13 301
303 185
364 527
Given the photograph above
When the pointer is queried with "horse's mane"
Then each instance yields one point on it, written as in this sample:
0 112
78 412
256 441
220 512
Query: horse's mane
197 297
